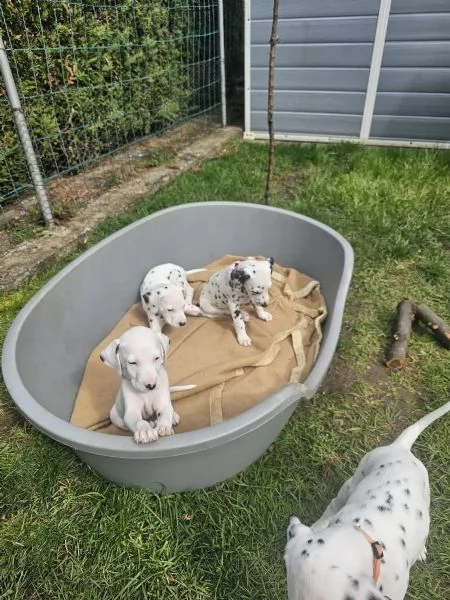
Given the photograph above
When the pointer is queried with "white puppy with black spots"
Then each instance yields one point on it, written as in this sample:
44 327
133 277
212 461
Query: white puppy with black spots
138 356
243 282
166 296
382 510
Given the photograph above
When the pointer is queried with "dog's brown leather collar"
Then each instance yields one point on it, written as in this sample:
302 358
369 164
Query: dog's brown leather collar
377 550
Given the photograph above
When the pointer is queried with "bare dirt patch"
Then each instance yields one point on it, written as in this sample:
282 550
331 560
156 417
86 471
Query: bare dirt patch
182 150
21 220
288 184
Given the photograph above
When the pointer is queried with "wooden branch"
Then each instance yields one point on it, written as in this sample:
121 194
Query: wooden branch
440 329
273 45
396 355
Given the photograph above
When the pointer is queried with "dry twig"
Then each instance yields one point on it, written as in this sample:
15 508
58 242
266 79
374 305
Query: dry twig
273 44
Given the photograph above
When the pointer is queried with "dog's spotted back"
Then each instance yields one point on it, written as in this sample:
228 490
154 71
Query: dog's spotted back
386 501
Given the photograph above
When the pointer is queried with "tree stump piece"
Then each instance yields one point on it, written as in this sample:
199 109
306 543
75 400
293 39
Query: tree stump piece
396 355
438 327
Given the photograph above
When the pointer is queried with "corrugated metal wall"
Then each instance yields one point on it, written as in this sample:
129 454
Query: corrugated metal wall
413 98
323 61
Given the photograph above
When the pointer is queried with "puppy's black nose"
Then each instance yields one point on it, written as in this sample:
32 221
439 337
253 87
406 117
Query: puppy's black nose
150 387
264 304
182 324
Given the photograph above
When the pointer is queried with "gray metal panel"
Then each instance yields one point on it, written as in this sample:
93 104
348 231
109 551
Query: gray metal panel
322 65
416 54
413 100
413 105
316 55
308 123
313 31
419 6
395 79
262 9
318 78
343 103
410 128
337 79
420 27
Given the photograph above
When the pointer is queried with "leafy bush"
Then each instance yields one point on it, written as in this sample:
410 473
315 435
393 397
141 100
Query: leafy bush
96 75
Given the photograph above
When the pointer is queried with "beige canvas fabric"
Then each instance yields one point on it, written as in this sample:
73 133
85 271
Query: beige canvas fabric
230 378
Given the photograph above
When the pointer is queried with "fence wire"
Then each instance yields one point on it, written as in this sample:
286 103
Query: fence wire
95 76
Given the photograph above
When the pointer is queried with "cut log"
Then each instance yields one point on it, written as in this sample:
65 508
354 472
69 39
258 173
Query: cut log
439 328
396 355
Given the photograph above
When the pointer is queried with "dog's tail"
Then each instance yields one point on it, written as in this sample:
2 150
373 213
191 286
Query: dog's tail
181 388
194 271
411 433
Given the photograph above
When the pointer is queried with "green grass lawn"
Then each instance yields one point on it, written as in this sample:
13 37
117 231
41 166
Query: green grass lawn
67 534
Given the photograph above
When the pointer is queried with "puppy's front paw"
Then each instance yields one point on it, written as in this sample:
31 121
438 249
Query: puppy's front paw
164 430
175 419
264 315
192 310
244 339
423 555
145 433
154 324
294 522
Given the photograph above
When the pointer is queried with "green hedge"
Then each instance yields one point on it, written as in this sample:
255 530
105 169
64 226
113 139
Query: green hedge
95 75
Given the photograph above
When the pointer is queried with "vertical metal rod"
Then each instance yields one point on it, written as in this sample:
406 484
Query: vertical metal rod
247 68
24 136
223 90
375 68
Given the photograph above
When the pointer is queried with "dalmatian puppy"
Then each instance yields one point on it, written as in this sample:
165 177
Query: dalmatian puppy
370 535
138 356
166 296
238 284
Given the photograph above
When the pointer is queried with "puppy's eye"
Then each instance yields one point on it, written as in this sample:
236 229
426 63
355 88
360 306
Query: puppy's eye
170 310
157 358
132 362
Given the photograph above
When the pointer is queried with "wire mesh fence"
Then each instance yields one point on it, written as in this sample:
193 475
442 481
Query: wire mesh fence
94 77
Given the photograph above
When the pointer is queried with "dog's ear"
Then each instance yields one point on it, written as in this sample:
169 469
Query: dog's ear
165 343
271 263
109 356
239 274
151 300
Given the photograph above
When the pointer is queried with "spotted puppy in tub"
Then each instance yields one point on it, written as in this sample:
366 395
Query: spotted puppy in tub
143 404
244 281
166 296
363 546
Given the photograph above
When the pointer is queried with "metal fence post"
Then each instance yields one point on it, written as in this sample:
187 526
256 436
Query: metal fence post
375 68
223 91
24 136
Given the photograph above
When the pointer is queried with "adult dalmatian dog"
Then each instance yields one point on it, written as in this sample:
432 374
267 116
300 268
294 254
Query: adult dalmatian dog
166 296
243 282
363 546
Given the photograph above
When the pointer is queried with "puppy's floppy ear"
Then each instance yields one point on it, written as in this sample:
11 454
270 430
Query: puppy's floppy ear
165 343
238 274
146 297
109 356
271 262
151 299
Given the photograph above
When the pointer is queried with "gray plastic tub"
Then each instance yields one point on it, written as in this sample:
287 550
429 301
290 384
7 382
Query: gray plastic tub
49 342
